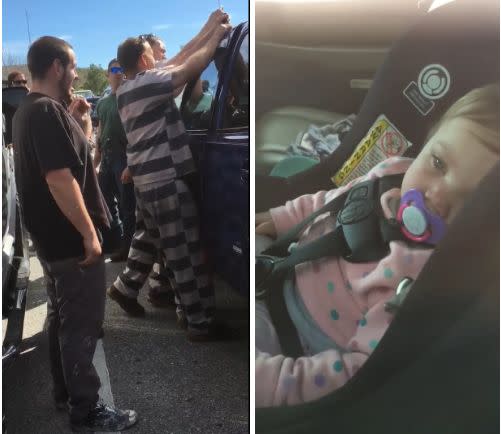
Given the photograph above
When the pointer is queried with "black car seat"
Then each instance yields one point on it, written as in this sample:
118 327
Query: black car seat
436 370
461 37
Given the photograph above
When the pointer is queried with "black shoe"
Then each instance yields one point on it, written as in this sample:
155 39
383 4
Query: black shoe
182 322
216 332
162 299
107 419
120 255
130 305
61 404
60 399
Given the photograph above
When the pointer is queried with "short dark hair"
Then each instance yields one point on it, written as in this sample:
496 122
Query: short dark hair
151 38
112 61
129 52
43 52
12 76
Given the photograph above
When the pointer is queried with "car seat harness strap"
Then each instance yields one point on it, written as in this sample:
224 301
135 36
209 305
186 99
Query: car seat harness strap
362 234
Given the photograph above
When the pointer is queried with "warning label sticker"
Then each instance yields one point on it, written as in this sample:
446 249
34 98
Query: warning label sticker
381 142
418 100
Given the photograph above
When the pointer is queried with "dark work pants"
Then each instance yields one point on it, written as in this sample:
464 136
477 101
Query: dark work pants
75 313
115 193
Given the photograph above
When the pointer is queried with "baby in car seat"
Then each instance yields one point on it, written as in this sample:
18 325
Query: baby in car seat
338 307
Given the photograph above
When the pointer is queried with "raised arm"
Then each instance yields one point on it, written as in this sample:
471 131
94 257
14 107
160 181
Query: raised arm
216 18
197 62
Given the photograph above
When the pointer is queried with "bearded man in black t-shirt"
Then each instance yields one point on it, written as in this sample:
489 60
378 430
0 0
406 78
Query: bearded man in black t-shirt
64 210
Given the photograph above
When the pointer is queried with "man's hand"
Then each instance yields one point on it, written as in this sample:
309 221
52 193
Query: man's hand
79 109
217 17
126 176
221 31
92 249
265 225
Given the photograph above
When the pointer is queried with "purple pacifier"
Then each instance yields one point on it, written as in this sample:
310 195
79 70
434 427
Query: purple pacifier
418 223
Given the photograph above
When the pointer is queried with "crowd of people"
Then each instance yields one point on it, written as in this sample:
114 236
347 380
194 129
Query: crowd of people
134 190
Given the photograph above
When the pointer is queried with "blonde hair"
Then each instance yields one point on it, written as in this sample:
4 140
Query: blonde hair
480 106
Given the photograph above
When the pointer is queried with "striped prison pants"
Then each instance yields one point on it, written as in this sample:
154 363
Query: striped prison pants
167 222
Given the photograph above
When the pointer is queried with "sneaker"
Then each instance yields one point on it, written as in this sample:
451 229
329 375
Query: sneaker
129 305
162 299
106 419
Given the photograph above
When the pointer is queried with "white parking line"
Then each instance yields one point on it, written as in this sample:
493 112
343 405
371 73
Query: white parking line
99 362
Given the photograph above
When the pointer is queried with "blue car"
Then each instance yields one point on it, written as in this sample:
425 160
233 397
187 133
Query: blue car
215 110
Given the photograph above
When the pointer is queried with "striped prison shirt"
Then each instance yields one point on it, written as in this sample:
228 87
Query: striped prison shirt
158 146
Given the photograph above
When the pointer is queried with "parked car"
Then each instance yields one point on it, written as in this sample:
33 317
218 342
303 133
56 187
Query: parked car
84 93
215 110
15 256
93 103
106 91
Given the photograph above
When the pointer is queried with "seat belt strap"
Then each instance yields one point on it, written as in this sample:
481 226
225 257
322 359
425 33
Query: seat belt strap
284 327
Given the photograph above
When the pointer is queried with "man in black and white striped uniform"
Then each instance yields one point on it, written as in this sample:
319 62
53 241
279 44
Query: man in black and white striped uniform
158 157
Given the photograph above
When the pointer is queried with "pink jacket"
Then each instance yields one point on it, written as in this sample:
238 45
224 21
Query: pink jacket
345 299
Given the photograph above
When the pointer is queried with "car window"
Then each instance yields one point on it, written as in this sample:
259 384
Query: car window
236 114
198 97
196 110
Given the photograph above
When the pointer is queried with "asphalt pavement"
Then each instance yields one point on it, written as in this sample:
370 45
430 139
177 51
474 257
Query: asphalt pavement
145 364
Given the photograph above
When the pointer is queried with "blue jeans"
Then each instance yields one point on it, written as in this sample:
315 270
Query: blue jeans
119 197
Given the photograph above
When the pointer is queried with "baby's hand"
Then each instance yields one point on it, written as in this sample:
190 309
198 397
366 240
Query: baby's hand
265 225
267 229
262 217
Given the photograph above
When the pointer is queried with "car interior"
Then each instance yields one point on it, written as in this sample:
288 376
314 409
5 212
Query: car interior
318 63
324 83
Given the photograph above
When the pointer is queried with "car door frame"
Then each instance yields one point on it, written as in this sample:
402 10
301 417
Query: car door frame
230 139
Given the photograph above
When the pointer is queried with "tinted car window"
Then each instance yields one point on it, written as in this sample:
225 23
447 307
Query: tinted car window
197 107
237 99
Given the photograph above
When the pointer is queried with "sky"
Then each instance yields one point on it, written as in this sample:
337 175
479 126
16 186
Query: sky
95 28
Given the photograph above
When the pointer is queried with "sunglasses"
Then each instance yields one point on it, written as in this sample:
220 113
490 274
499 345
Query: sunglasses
147 36
116 70
20 81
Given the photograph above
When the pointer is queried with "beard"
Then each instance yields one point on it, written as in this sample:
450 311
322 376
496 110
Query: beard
65 87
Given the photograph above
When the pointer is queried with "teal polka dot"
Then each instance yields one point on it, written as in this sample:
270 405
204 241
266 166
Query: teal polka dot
334 314
383 166
373 344
330 287
348 286
363 322
388 273
338 366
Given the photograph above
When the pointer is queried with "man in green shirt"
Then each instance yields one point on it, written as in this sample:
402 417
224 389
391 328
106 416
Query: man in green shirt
114 177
